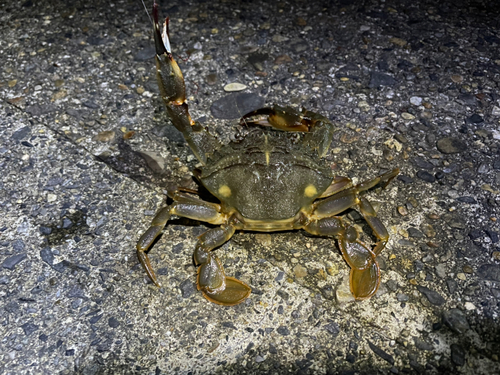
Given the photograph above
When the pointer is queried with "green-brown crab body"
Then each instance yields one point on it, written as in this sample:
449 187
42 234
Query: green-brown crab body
272 180
267 177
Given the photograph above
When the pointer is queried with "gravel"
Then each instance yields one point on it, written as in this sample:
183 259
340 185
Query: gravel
86 150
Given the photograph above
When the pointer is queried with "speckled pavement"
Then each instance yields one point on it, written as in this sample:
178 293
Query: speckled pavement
86 156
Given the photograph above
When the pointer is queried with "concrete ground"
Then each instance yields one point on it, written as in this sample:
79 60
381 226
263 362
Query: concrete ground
86 154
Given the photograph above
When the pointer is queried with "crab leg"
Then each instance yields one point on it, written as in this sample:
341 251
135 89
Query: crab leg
320 130
185 206
173 92
365 273
213 283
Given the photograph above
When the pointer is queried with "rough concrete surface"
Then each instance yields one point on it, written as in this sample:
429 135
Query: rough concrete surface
86 154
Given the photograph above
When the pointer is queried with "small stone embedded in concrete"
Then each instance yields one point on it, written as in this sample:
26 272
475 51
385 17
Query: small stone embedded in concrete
422 163
422 344
187 288
416 100
450 145
235 105
440 270
414 233
381 353
21 133
456 320
332 328
29 328
113 322
11 262
426 176
234 87
18 245
432 296
283 331
475 119
489 272
457 354
402 297
300 271
378 79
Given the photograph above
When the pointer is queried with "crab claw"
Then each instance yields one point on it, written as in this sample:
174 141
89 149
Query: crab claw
283 118
217 287
234 293
364 283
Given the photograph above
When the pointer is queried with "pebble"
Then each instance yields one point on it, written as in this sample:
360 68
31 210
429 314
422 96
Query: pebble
234 105
343 293
29 328
402 210
211 79
428 230
299 271
432 296
187 288
378 79
414 233
332 328
422 163
452 285
11 262
440 270
259 359
381 353
407 116
475 119
467 269
426 176
234 87
489 272
402 297
457 354
451 145
283 331
398 41
422 344
469 306
456 320
113 322
416 100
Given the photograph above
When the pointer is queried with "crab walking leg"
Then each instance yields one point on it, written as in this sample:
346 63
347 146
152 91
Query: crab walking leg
365 272
213 283
320 130
173 92
184 206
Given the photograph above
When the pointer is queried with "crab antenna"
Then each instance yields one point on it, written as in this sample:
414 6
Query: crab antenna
146 9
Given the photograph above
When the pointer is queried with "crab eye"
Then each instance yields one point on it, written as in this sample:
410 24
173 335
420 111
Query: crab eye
310 191
225 191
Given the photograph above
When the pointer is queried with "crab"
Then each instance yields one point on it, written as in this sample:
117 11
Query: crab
274 179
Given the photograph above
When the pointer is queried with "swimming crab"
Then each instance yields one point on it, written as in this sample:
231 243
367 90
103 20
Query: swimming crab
269 181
